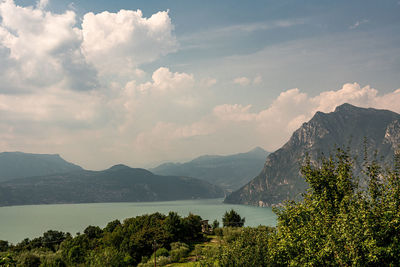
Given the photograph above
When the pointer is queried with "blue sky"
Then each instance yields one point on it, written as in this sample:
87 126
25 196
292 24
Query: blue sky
144 82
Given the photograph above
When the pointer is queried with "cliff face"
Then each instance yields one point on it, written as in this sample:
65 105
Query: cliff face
347 126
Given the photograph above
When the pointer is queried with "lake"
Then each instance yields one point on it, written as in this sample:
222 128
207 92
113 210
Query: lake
19 222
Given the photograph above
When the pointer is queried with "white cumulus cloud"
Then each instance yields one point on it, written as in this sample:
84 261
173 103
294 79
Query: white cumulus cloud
39 48
119 42
164 80
293 107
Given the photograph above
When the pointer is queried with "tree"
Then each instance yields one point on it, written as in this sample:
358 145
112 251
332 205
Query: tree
192 226
232 219
93 232
215 224
338 222
111 226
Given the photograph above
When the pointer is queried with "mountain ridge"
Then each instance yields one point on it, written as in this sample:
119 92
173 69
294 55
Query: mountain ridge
280 178
118 183
20 164
229 171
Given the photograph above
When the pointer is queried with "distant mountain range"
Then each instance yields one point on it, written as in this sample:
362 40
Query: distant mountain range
347 126
17 165
230 172
117 184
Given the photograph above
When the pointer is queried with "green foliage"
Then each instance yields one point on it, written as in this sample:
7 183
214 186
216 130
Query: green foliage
53 260
111 226
119 244
339 224
192 227
161 261
179 251
231 233
232 219
3 245
31 260
7 260
108 256
162 252
215 224
76 254
219 232
250 248
93 232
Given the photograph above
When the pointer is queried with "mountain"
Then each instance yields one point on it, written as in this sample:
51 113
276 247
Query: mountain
117 184
347 126
18 165
230 172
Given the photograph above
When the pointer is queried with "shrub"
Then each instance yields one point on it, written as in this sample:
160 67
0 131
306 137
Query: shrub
179 251
162 252
30 260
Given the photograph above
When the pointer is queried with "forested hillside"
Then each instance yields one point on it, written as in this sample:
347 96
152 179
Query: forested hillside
116 184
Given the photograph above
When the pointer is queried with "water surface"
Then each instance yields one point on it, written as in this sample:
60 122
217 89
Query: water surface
19 222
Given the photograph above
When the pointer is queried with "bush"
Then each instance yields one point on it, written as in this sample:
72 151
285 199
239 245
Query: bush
230 234
161 261
219 232
53 261
162 252
179 251
30 260
250 247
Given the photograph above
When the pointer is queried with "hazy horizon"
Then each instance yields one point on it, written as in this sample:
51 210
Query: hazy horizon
142 83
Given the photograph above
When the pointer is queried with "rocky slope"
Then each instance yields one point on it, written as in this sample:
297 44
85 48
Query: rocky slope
229 172
347 126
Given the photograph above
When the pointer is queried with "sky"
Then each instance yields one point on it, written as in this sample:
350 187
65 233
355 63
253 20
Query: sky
145 82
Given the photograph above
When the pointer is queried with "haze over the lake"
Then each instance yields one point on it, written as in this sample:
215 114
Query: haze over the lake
143 82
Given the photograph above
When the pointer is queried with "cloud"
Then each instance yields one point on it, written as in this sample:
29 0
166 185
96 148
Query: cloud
235 112
358 23
119 42
41 4
164 96
259 26
234 127
208 82
257 80
40 48
293 107
243 81
164 80
204 38
52 106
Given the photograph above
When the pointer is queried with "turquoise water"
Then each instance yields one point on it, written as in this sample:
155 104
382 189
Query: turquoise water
19 222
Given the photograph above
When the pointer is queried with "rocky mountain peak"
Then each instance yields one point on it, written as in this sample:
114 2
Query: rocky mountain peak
347 126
